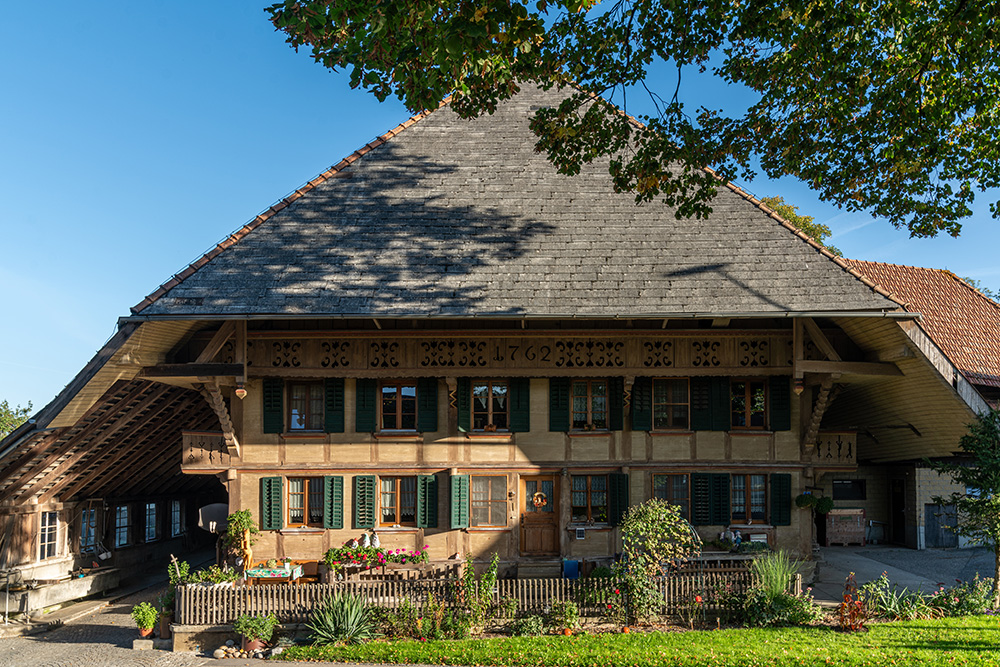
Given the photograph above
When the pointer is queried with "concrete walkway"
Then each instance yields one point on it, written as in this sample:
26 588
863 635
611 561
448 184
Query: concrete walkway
915 570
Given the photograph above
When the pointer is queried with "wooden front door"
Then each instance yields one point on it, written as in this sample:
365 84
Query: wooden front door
539 516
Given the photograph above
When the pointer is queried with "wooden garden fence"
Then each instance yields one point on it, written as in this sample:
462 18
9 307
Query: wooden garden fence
292 603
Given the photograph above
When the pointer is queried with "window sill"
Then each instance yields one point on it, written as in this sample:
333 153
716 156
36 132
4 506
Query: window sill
488 529
301 435
589 434
490 437
396 529
672 432
304 530
748 431
397 435
600 527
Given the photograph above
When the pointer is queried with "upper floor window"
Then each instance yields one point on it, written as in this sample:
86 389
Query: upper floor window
176 519
305 501
48 535
589 405
675 490
398 496
489 406
398 406
749 498
489 500
748 403
589 499
152 523
305 406
88 530
671 403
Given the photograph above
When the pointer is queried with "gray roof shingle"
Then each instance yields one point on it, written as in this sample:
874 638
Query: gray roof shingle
463 218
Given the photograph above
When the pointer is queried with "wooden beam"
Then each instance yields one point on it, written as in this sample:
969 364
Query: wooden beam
15 487
211 392
797 348
191 370
892 354
224 333
823 400
821 341
240 353
35 450
107 466
848 367
138 423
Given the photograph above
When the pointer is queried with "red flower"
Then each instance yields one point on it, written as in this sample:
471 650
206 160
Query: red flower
697 598
616 592
609 606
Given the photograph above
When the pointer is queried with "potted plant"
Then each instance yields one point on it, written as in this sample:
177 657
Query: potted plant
255 630
239 536
144 615
166 605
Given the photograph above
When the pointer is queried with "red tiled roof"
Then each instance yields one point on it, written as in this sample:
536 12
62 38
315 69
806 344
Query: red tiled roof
963 322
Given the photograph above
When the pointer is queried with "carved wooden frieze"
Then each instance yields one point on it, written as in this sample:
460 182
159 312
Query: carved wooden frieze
839 448
203 450
708 353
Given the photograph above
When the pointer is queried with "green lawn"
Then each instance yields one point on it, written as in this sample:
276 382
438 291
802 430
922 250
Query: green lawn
970 640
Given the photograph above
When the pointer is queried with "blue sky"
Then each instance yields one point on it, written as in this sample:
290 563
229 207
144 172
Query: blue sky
134 136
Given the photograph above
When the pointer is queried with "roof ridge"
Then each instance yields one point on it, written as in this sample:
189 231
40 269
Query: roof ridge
282 204
954 276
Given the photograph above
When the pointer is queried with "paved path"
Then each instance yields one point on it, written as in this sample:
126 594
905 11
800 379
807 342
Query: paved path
907 568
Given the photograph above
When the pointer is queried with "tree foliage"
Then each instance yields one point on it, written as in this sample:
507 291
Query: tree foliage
11 418
983 289
978 511
887 107
817 231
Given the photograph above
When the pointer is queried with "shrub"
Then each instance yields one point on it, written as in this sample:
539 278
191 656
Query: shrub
527 626
757 608
966 599
564 615
144 615
256 627
456 624
507 607
238 524
214 574
889 601
852 613
342 618
476 595
773 572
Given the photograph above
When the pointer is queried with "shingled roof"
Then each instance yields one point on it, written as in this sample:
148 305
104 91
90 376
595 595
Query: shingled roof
963 322
449 217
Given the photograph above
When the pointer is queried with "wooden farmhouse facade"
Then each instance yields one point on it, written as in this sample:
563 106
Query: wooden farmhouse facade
442 340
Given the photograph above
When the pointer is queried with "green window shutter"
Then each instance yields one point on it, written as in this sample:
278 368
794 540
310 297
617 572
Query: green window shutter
334 407
617 497
616 404
721 501
710 502
364 501
780 398
274 411
642 404
722 417
701 404
463 401
427 501
427 405
781 499
559 404
701 499
333 501
271 494
519 397
365 402
459 501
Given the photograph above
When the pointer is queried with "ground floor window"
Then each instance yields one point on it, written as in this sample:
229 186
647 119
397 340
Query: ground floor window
398 501
88 530
49 535
675 489
489 500
589 499
305 501
176 524
749 498
123 525
152 523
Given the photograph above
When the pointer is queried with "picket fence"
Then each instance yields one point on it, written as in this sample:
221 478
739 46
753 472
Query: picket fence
292 603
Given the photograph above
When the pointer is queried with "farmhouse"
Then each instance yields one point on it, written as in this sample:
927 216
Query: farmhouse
442 340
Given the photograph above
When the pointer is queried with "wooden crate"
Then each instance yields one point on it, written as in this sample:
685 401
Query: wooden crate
845 526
